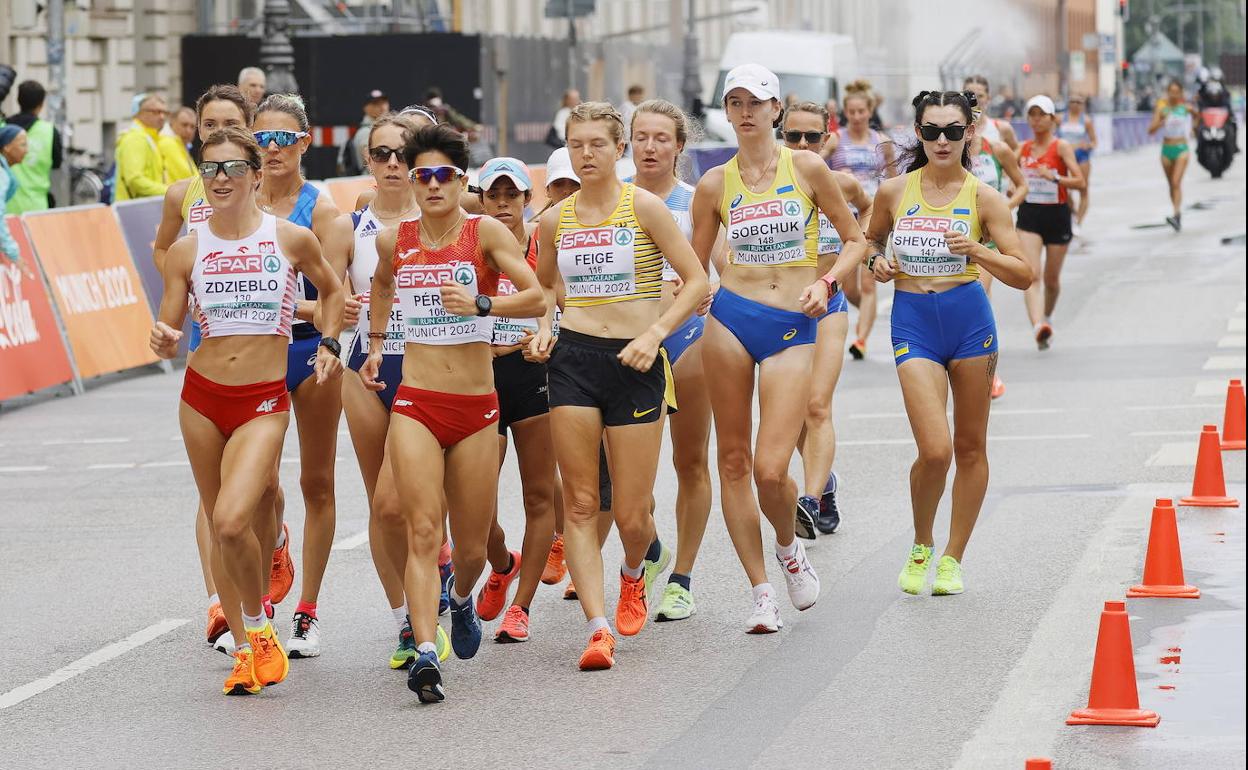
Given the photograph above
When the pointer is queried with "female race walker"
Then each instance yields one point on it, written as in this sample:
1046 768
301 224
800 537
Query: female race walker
764 315
1079 131
1044 217
607 373
934 219
219 107
443 444
241 269
803 128
1175 118
281 130
986 126
659 133
868 156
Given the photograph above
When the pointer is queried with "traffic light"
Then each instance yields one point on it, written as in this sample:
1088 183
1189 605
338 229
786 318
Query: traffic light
1124 9
1026 68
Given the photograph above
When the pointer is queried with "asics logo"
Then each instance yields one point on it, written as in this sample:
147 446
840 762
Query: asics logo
312 360
912 210
988 341
490 414
402 402
790 334
267 405
639 414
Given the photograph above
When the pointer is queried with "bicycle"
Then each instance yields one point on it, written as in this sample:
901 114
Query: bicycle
88 181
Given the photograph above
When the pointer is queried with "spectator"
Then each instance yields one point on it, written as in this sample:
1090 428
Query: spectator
448 114
253 83
140 168
636 94
12 151
571 98
790 99
43 153
175 146
351 161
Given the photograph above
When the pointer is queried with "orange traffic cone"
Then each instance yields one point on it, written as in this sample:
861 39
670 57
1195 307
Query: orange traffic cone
1113 698
1209 486
1163 566
1233 421
1039 763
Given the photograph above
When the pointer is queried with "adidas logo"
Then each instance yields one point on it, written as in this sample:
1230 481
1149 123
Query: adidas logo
267 405
370 228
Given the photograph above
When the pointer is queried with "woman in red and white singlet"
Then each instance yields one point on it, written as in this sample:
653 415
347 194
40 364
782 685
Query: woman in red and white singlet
443 441
241 269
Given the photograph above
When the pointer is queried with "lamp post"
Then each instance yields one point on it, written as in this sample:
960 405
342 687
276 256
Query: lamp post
277 55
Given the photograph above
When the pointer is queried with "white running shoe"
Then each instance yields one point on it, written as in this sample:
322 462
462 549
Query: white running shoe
225 644
800 576
305 637
765 619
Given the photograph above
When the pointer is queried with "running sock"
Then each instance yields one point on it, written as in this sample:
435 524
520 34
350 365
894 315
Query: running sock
307 608
256 623
680 580
444 554
655 551
424 647
400 616
786 551
459 600
214 599
761 590
244 647
268 606
632 572
511 563
594 624
281 538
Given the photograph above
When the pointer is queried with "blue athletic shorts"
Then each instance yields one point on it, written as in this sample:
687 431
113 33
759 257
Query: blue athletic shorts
836 304
685 335
300 360
944 326
761 329
391 370
1082 156
196 338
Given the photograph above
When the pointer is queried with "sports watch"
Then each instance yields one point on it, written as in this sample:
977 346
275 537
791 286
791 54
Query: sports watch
484 303
332 345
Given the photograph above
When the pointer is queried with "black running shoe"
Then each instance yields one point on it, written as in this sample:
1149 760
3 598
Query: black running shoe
807 512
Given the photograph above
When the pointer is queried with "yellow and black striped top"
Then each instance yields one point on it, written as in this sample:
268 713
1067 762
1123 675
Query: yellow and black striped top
611 261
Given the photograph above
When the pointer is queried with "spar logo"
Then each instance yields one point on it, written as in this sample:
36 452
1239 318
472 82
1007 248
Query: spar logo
424 276
961 226
271 263
929 225
199 212
216 263
624 236
792 208
596 238
464 274
757 211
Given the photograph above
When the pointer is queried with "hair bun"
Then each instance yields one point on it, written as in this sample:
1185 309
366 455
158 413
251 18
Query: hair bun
971 98
919 99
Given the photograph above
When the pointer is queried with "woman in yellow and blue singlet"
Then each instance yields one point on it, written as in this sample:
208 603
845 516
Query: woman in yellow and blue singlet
927 233
764 315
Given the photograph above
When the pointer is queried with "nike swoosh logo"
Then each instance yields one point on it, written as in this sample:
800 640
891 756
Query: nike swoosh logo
790 334
643 414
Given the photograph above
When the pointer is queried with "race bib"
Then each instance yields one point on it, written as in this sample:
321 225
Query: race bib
393 343
985 169
242 287
598 262
829 238
425 321
1176 126
769 233
920 248
509 331
1041 190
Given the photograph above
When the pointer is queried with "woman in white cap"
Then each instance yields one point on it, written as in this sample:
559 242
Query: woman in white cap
1044 217
763 318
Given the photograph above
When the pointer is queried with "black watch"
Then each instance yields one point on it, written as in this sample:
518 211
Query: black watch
484 303
332 345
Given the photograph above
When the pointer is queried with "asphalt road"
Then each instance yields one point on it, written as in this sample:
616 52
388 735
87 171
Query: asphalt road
97 548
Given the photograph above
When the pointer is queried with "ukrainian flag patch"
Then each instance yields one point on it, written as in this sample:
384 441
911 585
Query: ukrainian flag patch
961 212
900 349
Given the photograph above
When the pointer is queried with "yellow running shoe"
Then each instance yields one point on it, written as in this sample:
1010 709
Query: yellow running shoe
443 643
948 580
913 577
242 680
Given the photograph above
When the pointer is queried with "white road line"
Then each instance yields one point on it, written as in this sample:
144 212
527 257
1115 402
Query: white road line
22 468
63 441
995 412
1232 341
1163 407
1222 363
111 466
348 543
1174 454
1147 433
1237 325
166 464
88 662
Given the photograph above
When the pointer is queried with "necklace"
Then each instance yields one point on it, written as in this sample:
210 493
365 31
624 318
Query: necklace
751 185
438 240
272 204
402 215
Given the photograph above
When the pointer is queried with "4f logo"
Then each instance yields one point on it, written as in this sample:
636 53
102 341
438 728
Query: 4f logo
267 406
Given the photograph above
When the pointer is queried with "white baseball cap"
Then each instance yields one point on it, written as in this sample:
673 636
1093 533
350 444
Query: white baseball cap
754 78
1043 102
559 166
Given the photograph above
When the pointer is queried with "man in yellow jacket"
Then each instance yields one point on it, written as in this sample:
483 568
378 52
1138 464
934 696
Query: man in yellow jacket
175 147
140 167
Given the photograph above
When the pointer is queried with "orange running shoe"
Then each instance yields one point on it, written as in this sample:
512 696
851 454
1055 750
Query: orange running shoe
631 611
599 654
492 597
515 626
269 659
569 593
555 566
216 622
282 574
242 680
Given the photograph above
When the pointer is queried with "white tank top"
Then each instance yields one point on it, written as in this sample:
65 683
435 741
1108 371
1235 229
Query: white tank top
990 130
243 287
679 201
363 265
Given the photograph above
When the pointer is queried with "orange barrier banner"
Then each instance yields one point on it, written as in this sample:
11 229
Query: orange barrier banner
95 287
345 190
32 355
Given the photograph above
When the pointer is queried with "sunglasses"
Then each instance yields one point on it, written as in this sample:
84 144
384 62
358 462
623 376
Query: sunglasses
234 169
931 133
381 153
280 138
425 174
811 137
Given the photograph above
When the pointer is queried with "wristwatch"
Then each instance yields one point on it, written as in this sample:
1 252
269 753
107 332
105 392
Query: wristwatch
871 260
484 303
332 345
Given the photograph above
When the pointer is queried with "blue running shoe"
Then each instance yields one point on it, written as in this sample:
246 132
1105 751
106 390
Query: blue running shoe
445 571
425 678
807 512
465 628
829 515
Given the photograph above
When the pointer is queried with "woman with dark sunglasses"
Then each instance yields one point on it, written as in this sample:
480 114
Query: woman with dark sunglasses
928 231
281 130
443 444
803 128
241 268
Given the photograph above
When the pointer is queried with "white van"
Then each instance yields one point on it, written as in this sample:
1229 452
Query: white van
813 65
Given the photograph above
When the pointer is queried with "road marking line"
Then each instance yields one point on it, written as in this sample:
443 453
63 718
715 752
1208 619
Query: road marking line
110 466
1232 341
88 662
1222 363
1145 433
1237 325
22 468
1174 454
1161 407
64 441
165 464
355 541
1007 412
